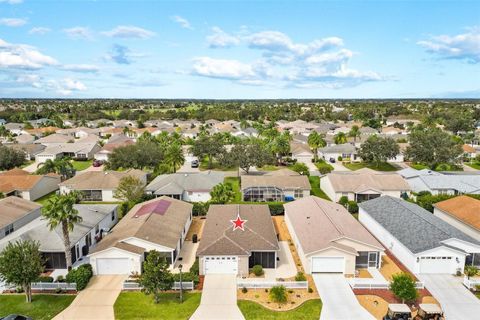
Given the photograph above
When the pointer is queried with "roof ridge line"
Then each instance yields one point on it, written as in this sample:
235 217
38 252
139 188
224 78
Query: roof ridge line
329 218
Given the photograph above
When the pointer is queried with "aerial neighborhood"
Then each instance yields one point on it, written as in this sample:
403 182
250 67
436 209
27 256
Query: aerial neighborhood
351 214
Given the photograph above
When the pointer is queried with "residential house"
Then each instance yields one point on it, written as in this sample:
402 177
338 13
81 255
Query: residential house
423 242
344 151
160 224
16 212
452 183
54 139
192 187
30 149
78 151
24 138
97 219
329 239
301 152
20 183
15 128
228 250
462 212
469 151
363 184
3 122
99 185
43 131
281 185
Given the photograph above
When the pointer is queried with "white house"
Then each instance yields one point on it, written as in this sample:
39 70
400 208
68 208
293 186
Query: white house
160 224
423 242
81 151
329 239
345 151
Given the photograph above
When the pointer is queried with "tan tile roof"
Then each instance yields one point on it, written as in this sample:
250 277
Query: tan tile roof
366 178
279 181
164 229
18 179
100 180
14 208
219 238
463 208
468 148
319 223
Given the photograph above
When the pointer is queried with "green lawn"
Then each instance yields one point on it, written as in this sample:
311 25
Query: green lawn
43 200
310 310
235 183
418 166
269 167
474 165
137 305
26 164
42 307
359 165
316 191
81 165
215 166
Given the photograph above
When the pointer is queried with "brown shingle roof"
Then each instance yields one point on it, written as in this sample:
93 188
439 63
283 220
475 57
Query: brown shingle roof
100 180
463 208
279 181
351 181
18 179
14 208
219 238
164 229
319 223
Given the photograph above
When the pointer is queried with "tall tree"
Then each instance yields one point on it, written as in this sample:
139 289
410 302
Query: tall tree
315 141
377 150
156 277
60 166
354 133
222 193
10 158
21 264
280 145
59 211
248 153
340 138
174 156
130 189
209 146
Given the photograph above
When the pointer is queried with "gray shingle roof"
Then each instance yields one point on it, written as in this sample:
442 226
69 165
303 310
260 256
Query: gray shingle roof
178 182
418 229
339 148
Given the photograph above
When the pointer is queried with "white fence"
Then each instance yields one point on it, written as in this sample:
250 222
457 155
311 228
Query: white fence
370 286
131 285
43 286
471 283
269 284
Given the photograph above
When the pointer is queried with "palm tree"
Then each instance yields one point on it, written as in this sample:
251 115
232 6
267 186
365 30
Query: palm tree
340 138
174 156
59 211
222 193
61 166
315 141
354 133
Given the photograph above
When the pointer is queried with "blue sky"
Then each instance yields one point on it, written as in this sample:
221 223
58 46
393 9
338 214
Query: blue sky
239 49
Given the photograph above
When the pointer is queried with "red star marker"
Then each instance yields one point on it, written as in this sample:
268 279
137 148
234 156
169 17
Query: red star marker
238 223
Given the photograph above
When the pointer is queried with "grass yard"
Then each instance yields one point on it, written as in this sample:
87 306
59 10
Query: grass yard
418 166
137 305
81 165
43 200
316 191
269 167
235 183
474 165
310 310
359 165
215 166
43 307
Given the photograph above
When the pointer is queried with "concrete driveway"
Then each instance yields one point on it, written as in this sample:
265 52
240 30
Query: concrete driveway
339 302
188 254
96 301
337 166
219 299
187 168
457 302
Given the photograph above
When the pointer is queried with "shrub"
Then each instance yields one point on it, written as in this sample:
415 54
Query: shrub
403 287
278 294
45 279
324 167
81 276
300 277
310 290
471 271
200 208
301 168
58 290
257 270
352 207
340 158
195 268
276 209
343 201
244 290
60 278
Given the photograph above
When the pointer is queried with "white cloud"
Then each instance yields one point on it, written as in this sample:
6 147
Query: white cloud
222 68
39 30
79 33
465 46
132 32
23 56
12 22
31 79
11 1
81 68
184 23
221 39
64 86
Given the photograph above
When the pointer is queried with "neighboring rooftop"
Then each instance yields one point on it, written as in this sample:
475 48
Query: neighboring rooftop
220 238
100 180
14 208
416 228
276 179
339 148
364 179
463 208
463 182
18 179
177 183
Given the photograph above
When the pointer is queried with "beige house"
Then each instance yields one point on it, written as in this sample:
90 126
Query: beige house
225 250
363 184
16 212
329 239
20 183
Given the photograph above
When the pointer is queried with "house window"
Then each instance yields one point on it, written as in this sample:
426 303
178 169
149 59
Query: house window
298 193
88 240
92 195
9 229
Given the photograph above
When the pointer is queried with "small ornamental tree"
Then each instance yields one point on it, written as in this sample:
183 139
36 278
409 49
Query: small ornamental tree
471 271
278 294
21 264
130 189
403 287
156 277
343 201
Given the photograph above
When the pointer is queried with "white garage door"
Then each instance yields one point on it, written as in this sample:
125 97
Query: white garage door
328 264
220 265
436 265
114 266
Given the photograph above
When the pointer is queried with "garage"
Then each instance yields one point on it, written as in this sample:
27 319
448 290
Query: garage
114 266
436 265
328 264
220 264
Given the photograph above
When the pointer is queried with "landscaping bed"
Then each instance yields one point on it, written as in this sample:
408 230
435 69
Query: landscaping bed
43 306
295 297
309 310
378 306
137 305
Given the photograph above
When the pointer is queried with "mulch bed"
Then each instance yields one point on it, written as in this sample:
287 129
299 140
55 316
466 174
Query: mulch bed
400 265
388 296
